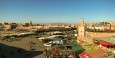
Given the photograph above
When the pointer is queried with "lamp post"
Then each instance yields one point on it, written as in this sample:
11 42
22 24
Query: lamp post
109 26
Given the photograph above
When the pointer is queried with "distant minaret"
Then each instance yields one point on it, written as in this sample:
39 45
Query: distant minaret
81 28
30 24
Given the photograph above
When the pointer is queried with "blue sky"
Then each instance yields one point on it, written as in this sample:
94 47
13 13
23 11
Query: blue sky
56 11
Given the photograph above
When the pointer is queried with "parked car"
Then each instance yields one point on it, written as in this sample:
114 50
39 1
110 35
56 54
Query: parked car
56 42
47 45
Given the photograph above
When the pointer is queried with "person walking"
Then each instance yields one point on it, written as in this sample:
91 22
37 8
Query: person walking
3 56
12 53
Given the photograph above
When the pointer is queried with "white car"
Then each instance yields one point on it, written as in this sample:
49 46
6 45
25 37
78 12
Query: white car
47 44
56 42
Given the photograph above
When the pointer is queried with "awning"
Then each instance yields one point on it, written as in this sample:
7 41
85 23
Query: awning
84 55
105 43
72 56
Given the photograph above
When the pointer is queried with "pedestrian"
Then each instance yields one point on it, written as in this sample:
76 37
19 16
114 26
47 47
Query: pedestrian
31 47
12 53
3 56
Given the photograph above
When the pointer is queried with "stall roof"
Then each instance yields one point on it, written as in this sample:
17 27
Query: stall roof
67 44
84 55
105 43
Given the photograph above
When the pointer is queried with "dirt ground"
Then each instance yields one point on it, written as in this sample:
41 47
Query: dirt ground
23 44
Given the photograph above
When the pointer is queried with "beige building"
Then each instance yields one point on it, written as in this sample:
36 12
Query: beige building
9 26
81 28
109 26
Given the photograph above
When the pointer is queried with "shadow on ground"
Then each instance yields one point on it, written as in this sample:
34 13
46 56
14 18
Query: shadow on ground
14 52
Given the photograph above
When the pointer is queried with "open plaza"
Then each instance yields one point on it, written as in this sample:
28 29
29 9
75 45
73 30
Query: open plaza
57 42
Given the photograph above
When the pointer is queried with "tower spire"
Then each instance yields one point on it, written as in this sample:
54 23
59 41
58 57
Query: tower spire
81 22
30 23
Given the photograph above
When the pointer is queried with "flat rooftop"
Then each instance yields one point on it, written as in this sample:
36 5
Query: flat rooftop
110 39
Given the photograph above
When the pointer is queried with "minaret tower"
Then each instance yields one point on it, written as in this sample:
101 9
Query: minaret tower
81 28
